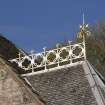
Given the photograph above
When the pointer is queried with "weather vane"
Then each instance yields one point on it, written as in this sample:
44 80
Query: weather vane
83 30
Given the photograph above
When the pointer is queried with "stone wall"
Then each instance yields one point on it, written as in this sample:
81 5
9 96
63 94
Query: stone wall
12 90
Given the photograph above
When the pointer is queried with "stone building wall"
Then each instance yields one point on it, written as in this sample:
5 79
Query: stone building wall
12 90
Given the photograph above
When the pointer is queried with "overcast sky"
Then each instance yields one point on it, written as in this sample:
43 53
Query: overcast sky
34 24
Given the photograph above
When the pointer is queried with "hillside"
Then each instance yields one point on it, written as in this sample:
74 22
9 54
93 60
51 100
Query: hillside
8 50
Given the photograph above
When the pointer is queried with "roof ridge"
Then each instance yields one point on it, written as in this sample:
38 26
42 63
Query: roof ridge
94 81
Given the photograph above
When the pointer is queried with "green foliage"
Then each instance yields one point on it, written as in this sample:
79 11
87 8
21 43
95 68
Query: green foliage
95 47
64 54
51 57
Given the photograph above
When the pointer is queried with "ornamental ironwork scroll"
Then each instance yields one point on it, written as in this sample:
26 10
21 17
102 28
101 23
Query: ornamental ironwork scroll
60 56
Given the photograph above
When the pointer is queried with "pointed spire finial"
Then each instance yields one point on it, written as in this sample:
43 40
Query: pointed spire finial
83 19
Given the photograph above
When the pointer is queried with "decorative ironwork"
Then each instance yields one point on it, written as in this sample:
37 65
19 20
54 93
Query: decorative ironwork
51 58
42 62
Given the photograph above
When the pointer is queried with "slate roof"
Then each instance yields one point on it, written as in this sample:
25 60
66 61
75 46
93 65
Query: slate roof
68 86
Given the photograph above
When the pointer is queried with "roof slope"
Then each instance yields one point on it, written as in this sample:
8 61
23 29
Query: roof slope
68 86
